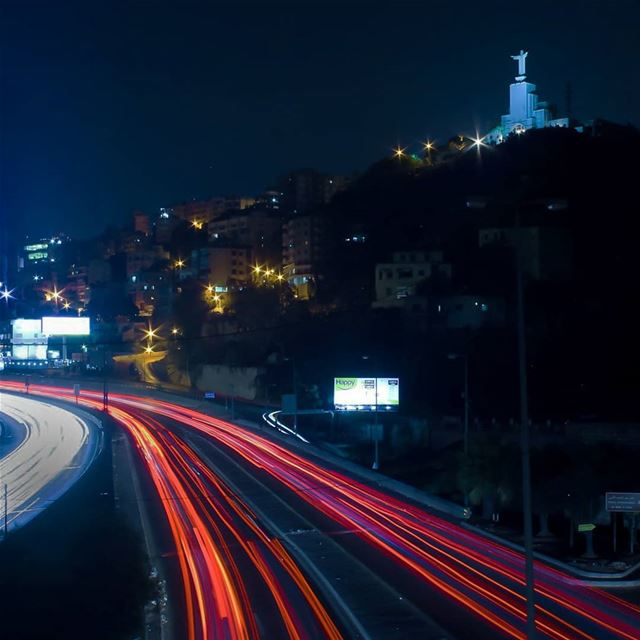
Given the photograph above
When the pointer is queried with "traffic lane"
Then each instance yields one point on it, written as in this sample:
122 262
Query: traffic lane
58 447
266 594
386 602
609 619
139 502
266 453
12 433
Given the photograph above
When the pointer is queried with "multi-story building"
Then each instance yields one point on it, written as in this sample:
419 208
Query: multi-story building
259 229
141 259
44 251
304 189
164 225
77 288
151 292
545 252
223 264
141 223
397 280
304 252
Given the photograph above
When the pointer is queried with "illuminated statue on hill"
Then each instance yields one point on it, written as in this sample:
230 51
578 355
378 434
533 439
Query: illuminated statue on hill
525 110
521 58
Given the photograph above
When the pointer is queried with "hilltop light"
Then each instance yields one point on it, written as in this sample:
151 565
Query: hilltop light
399 152
478 141
427 146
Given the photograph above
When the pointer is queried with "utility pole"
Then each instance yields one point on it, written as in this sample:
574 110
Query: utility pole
525 441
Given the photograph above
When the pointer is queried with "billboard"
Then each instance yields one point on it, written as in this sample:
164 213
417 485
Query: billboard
65 326
366 394
26 330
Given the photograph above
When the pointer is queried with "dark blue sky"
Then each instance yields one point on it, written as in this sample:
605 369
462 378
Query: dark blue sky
108 107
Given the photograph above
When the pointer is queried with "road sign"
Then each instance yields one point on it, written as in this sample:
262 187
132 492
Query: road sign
624 501
585 528
209 395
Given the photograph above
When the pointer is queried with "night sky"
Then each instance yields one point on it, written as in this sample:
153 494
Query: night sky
110 107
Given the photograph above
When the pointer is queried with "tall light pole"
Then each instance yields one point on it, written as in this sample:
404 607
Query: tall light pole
525 439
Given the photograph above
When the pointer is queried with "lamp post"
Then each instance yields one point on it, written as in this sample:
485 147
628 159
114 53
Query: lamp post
525 439
525 435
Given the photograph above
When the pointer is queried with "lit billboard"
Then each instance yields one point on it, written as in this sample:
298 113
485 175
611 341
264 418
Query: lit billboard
65 326
366 394
25 329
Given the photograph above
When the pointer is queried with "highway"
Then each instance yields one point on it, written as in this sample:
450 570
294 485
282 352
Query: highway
57 447
276 543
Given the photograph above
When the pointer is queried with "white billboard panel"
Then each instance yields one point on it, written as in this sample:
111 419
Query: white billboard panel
366 394
65 326
26 328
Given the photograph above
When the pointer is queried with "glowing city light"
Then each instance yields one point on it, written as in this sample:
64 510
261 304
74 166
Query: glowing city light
66 305
197 224
150 333
478 141
428 146
6 294
179 263
399 152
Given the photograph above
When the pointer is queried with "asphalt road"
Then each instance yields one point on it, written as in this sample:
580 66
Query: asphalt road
57 447
273 543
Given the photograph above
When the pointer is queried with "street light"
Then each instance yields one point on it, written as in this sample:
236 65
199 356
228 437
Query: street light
524 425
6 294
399 152
150 333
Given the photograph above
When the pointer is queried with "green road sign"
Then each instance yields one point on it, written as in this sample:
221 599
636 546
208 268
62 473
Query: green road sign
585 528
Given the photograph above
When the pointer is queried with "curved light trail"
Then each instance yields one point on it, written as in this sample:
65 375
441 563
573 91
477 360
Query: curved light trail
480 575
57 448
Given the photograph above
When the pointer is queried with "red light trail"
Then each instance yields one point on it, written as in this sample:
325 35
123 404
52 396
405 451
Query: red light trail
480 575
